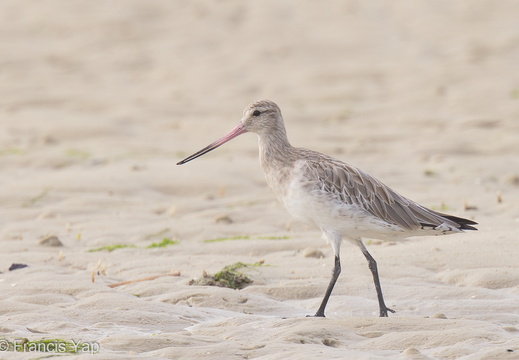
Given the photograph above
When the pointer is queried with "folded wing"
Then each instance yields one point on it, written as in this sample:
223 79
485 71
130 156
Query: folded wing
354 187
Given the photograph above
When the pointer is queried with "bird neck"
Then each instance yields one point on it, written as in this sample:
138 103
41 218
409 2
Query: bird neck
274 148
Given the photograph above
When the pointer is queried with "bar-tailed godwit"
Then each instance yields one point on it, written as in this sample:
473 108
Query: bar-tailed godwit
341 200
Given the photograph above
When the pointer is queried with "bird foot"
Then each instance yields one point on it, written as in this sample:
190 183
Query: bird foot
317 314
383 311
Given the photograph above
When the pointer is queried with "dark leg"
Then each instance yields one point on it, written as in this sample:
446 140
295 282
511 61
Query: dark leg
335 275
374 270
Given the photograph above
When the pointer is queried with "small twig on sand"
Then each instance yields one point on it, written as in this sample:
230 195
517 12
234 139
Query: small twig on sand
172 273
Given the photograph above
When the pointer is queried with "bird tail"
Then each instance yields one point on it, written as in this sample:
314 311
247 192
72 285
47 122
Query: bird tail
463 223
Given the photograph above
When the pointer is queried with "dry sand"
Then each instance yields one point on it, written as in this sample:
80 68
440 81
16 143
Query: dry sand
100 99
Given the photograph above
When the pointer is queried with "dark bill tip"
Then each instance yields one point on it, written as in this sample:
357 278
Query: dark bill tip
238 130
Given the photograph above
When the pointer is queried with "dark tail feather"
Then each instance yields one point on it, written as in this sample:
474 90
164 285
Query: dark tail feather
464 223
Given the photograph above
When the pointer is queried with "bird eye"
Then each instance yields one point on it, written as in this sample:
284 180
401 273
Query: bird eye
256 113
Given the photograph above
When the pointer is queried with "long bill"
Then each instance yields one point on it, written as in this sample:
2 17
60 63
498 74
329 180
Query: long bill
238 130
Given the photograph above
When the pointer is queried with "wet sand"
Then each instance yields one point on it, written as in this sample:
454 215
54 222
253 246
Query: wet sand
98 101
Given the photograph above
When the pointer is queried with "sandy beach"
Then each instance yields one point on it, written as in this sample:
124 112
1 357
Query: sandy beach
100 99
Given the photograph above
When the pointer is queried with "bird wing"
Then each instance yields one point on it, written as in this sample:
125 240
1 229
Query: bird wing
352 186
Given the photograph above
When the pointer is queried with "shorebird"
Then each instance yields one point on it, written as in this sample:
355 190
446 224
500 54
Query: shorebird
340 199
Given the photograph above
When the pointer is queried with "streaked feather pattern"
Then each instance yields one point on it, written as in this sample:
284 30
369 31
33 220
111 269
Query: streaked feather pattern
352 186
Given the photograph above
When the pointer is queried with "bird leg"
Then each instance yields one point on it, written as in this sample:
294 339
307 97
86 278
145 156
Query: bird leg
335 275
374 270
